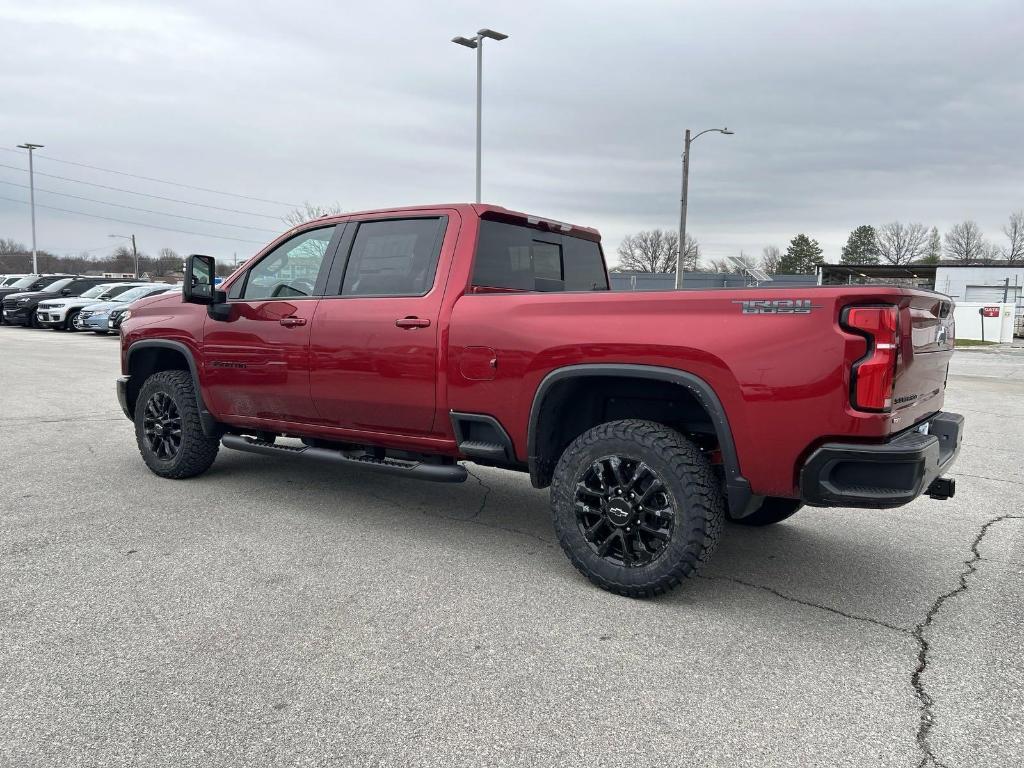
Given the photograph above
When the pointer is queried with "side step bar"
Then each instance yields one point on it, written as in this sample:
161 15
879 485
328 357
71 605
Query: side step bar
418 470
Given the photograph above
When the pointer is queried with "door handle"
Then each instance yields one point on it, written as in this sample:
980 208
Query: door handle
291 322
412 322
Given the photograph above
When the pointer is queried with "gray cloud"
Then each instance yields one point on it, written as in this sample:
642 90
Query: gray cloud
845 114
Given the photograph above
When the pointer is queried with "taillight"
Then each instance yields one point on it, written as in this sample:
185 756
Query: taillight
874 374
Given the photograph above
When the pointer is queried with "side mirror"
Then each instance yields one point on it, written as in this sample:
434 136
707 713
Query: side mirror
65 291
199 277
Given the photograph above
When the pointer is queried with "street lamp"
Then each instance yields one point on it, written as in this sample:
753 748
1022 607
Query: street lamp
683 197
135 252
32 200
477 42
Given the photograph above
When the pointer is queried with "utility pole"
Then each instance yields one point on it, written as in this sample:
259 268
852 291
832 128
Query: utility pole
682 210
135 251
477 42
684 196
32 200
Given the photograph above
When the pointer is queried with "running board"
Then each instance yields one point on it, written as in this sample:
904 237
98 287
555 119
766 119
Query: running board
418 470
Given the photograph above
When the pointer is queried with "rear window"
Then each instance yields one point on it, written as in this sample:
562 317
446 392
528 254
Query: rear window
522 258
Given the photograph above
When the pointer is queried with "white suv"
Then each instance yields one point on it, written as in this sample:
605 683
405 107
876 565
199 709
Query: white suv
60 314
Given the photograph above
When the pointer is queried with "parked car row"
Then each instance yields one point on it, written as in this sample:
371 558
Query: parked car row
71 302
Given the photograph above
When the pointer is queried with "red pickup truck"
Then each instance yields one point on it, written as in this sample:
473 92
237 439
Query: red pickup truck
408 340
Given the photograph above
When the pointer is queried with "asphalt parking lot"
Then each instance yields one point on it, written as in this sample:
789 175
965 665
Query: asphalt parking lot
275 613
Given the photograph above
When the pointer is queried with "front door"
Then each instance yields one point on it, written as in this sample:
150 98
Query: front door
256 362
373 346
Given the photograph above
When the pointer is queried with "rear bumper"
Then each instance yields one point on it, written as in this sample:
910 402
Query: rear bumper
887 474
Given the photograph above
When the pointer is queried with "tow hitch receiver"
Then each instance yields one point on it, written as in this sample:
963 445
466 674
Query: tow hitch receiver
942 488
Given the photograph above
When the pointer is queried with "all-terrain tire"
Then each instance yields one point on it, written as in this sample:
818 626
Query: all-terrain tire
692 489
772 510
196 451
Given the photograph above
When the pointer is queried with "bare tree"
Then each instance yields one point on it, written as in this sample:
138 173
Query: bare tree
900 243
771 256
1014 231
965 243
653 250
123 259
721 266
308 212
9 246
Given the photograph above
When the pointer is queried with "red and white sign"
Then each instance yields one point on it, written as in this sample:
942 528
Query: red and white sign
990 311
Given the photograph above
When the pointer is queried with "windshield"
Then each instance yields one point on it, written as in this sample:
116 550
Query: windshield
10 281
64 281
25 282
96 290
138 293
118 290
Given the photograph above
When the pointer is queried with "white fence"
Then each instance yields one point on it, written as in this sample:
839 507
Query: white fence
972 324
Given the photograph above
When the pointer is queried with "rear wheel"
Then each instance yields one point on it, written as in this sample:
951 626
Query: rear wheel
637 507
167 427
772 510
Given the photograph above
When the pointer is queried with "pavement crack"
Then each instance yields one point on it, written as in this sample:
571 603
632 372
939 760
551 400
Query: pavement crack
926 702
819 606
474 519
486 496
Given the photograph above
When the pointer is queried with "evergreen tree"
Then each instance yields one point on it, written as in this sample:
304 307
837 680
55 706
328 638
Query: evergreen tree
802 256
861 247
934 247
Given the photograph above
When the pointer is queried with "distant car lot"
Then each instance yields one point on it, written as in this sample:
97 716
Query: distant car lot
274 613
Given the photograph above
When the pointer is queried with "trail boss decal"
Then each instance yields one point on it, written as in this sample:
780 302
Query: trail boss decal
777 306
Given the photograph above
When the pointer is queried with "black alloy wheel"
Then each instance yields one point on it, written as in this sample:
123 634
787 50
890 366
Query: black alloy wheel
168 427
636 506
161 424
624 511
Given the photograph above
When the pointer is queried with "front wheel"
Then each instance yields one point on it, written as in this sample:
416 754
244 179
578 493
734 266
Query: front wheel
167 427
69 322
637 507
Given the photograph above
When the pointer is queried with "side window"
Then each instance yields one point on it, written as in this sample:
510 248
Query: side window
394 257
526 259
78 287
291 269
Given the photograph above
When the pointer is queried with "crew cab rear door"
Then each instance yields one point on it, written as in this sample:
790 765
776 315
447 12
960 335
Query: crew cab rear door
374 340
256 362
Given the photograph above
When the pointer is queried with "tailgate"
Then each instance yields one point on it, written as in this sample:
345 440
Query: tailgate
926 346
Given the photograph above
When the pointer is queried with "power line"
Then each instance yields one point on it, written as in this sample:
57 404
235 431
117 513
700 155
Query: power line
144 194
133 208
161 181
133 223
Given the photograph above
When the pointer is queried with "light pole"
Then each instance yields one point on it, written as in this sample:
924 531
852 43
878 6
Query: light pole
477 42
135 252
683 197
32 200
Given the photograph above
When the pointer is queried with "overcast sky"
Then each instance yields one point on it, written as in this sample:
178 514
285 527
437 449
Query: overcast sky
845 113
